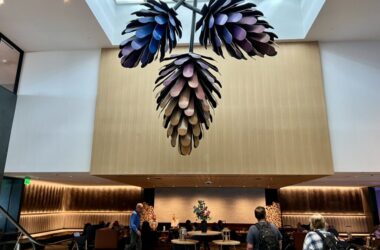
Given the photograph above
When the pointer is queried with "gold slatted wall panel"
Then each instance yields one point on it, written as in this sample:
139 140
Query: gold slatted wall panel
271 119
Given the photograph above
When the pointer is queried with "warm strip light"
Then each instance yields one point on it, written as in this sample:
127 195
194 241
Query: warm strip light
48 183
325 214
320 188
74 212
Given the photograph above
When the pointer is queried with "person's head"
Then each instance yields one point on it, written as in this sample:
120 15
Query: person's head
139 207
116 223
145 226
260 213
188 222
317 221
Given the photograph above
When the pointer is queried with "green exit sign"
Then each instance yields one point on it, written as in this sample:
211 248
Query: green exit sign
27 181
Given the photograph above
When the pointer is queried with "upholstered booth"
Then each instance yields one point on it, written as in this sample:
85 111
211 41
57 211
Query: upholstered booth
106 238
36 223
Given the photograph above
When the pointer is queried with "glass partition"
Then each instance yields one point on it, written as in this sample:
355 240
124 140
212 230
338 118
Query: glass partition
10 64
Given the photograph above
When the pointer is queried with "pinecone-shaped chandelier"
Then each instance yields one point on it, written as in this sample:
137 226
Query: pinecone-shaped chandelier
187 88
186 96
156 29
237 26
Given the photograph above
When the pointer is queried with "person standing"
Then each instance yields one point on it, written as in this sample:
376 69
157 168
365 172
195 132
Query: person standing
134 225
263 235
376 233
175 222
318 238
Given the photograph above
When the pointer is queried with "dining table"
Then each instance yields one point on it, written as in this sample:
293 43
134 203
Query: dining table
205 237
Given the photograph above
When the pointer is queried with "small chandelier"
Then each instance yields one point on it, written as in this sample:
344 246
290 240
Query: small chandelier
187 88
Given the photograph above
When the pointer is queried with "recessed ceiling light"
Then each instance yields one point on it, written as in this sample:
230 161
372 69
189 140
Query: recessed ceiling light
4 60
1 2
208 182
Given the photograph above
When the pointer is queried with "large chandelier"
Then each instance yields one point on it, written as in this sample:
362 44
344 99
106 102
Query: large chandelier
187 88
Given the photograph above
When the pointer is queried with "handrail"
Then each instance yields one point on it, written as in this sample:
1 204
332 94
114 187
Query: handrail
19 227
24 232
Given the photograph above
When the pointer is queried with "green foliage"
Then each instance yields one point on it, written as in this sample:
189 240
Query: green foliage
201 211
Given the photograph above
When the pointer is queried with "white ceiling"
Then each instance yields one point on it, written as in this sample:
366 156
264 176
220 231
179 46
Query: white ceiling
38 25
42 25
345 20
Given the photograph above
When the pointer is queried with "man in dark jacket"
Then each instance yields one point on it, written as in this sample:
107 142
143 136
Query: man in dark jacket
263 235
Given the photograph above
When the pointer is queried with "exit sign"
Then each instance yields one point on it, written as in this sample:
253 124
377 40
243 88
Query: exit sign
27 181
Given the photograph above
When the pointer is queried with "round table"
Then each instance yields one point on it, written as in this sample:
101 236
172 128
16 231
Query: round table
222 243
204 236
186 242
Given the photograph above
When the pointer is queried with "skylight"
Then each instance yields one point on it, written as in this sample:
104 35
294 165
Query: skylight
121 2
292 19
134 1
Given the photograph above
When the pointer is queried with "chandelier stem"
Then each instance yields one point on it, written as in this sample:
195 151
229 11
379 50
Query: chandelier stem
178 4
189 6
192 35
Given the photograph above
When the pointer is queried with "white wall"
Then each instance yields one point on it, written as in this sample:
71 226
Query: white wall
53 124
352 85
234 205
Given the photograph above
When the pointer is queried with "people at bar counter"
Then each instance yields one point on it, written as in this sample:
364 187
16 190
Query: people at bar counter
189 226
376 233
175 222
135 233
263 235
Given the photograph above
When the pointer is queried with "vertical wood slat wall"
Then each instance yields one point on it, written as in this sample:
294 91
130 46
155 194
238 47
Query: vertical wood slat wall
271 119
346 208
48 206
44 198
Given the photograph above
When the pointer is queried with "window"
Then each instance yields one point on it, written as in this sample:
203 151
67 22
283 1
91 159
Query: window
10 64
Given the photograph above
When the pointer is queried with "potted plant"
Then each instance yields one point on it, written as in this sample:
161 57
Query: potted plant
203 214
